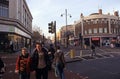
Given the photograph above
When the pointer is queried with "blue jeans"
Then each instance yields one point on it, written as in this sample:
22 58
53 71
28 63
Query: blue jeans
60 71
24 75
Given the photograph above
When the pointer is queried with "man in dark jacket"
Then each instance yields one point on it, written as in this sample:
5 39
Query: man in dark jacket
40 62
93 50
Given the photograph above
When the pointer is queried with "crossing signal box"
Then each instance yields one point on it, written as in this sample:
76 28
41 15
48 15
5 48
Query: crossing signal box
51 28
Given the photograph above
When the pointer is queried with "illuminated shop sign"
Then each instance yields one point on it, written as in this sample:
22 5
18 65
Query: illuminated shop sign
95 38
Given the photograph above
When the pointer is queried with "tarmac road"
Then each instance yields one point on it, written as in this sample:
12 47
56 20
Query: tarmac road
107 68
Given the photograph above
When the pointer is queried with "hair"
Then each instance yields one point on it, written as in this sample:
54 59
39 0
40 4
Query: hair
24 48
39 43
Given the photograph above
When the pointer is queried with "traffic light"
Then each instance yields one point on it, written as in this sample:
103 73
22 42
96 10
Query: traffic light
51 28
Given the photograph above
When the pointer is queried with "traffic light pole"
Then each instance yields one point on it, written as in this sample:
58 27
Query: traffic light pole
55 34
52 29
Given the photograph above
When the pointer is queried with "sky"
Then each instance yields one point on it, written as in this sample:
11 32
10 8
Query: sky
45 11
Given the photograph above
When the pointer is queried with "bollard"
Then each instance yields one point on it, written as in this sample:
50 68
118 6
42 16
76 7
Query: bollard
72 53
80 53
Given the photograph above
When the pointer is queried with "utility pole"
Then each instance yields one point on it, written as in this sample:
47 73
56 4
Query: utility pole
66 33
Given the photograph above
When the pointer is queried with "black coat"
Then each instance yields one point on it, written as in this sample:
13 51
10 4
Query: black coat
35 59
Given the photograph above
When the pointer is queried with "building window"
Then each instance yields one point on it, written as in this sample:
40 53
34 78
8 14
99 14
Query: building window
114 30
95 30
100 30
4 11
85 32
96 21
105 30
90 31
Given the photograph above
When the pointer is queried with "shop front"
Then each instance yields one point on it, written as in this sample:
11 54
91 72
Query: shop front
95 41
13 39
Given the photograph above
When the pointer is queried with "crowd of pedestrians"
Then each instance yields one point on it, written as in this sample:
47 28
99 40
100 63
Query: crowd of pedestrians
40 61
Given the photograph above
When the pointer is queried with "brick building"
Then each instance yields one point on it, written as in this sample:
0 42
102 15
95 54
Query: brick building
98 28
66 34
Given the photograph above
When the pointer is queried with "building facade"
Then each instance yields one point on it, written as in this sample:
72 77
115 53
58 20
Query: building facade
66 35
15 24
98 28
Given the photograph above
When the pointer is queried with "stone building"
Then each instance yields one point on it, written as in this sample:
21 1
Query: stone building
15 24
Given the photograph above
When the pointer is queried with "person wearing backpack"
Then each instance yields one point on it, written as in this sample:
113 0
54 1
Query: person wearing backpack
59 62
23 64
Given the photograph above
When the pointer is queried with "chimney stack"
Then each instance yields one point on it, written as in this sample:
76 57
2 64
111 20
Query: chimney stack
81 15
116 13
100 11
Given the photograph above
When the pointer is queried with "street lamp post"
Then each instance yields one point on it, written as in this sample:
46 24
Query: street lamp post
66 34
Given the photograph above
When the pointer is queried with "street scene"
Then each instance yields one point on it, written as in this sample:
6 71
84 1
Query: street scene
59 39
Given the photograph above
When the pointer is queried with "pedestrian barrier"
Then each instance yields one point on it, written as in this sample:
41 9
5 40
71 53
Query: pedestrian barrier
80 53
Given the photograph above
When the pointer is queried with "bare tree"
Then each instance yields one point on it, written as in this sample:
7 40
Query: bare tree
37 29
